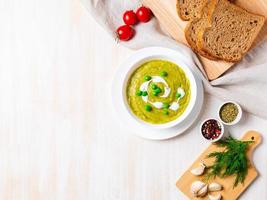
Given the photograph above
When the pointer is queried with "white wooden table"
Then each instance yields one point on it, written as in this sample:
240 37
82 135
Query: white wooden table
58 139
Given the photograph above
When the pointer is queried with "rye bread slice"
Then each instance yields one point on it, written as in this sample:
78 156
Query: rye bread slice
231 33
190 9
198 25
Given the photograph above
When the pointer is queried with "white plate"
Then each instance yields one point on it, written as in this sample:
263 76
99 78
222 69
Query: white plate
133 125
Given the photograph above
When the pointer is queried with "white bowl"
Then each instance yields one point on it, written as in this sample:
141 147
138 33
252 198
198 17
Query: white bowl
238 117
158 53
222 130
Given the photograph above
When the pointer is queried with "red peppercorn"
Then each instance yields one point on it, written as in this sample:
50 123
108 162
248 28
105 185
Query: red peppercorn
211 129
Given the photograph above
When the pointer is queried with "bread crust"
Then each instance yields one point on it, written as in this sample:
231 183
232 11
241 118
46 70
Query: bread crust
193 46
211 5
199 42
179 11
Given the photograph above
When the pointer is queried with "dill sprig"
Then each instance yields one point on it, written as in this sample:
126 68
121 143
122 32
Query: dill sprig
231 161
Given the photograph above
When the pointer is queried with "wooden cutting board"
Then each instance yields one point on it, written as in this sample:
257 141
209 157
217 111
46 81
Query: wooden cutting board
228 193
165 11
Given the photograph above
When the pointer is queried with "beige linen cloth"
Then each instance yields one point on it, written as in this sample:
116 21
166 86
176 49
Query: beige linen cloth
246 83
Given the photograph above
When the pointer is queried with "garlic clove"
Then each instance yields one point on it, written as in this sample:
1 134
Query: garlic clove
196 187
203 191
215 197
199 170
215 187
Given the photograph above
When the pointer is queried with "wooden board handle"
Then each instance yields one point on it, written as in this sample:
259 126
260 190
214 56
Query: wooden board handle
254 136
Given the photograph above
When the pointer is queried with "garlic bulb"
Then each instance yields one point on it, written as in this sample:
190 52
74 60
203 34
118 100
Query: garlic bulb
215 187
198 188
199 170
215 197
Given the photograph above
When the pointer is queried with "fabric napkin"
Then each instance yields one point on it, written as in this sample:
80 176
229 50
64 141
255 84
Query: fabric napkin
246 83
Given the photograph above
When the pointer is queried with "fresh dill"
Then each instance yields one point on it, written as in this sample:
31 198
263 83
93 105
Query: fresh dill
231 161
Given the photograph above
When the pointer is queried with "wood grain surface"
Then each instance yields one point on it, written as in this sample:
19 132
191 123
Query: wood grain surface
165 11
228 192
59 139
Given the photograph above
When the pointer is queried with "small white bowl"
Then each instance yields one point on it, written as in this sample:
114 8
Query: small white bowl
158 53
222 130
238 117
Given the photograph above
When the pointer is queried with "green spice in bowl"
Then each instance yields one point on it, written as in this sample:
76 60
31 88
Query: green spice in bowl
230 113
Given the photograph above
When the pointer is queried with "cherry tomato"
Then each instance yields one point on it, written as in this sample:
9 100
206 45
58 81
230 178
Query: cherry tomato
125 32
129 17
143 14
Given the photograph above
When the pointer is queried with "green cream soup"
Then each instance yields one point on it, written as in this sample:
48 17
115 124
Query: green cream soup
158 92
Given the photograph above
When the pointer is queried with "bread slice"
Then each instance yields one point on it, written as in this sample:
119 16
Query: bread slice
198 25
231 33
190 9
